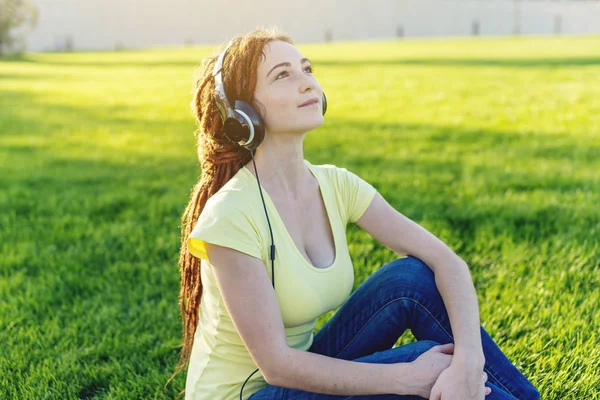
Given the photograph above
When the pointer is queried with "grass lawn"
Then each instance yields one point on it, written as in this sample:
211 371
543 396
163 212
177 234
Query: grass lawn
492 144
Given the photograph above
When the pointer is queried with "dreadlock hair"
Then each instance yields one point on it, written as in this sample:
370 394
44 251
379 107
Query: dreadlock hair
220 159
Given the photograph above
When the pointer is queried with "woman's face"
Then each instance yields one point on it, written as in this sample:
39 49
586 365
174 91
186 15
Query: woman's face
285 81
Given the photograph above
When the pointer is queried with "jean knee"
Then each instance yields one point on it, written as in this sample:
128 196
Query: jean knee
404 277
411 269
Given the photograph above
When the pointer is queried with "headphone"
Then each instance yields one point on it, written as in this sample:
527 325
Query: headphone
243 125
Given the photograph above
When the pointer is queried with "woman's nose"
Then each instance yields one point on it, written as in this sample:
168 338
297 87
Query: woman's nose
310 85
307 83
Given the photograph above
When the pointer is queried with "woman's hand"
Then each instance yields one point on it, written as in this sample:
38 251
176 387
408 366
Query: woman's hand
428 369
460 382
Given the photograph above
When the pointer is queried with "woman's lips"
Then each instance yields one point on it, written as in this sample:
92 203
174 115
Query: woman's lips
314 103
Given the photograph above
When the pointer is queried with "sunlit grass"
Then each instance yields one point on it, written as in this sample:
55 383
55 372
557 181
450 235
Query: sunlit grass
492 144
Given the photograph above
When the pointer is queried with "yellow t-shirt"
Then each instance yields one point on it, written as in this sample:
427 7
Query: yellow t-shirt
234 217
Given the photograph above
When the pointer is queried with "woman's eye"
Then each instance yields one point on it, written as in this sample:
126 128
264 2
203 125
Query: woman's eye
309 68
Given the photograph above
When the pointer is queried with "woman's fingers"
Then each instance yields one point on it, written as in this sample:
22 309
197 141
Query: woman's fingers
488 390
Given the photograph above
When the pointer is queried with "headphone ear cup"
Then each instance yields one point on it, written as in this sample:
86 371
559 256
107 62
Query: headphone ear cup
324 103
246 128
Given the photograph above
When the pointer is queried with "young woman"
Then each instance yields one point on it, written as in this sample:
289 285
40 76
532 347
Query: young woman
248 320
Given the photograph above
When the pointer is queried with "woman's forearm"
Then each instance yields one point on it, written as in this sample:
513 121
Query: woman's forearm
454 282
317 373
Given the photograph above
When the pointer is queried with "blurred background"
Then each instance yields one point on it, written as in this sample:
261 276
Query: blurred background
67 25
479 120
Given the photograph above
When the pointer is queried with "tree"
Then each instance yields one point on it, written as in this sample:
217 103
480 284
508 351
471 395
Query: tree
15 14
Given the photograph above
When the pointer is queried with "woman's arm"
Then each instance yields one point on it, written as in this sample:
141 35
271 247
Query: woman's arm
317 373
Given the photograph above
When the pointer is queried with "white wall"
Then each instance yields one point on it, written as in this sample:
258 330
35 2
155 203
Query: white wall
105 24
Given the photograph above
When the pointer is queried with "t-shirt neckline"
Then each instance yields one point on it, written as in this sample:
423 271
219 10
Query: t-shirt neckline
289 237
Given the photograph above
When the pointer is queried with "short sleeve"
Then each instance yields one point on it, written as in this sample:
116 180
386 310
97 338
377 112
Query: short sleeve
357 193
226 223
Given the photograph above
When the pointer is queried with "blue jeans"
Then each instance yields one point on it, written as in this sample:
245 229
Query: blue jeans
401 294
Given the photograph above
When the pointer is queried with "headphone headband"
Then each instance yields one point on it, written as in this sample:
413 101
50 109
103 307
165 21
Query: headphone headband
220 96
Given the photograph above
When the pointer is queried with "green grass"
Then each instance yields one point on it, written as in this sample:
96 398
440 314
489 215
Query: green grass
492 144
